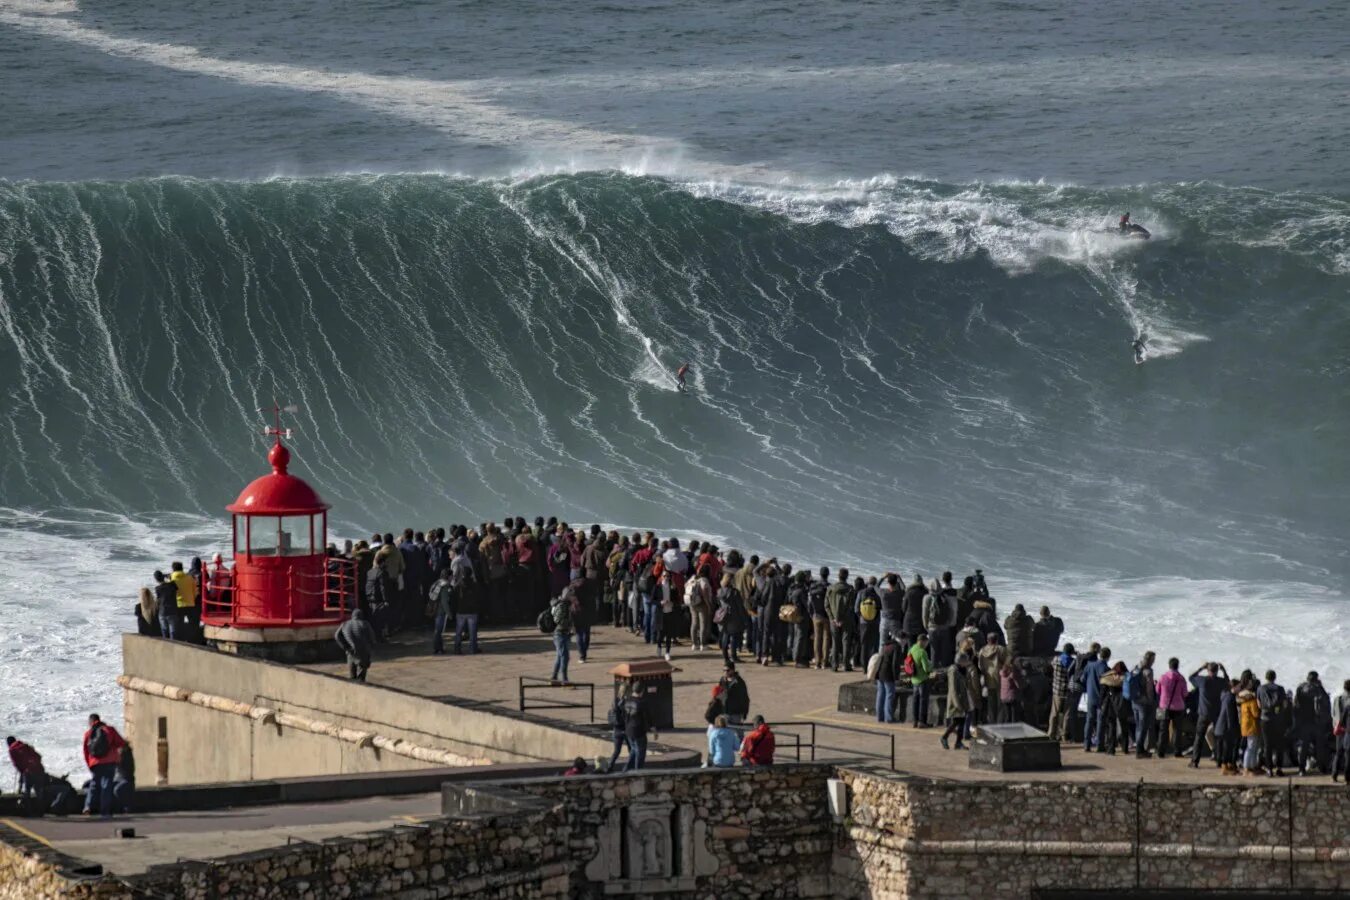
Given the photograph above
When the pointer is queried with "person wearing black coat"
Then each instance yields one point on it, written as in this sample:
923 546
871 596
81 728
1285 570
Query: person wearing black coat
888 672
735 696
911 620
797 597
987 622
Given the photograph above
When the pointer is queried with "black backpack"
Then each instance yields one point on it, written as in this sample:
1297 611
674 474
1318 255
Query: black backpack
617 715
547 624
940 608
98 742
646 582
1078 674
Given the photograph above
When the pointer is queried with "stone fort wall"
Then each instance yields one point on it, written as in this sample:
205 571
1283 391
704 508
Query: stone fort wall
768 833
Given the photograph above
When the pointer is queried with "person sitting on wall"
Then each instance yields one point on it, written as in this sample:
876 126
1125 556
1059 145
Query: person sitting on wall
579 767
758 747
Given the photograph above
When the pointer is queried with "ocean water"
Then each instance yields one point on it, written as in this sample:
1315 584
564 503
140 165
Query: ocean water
472 240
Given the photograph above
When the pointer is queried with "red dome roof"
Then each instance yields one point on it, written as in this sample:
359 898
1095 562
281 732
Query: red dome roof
278 493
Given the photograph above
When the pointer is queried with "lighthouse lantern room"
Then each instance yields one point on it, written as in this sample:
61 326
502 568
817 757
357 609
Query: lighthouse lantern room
282 577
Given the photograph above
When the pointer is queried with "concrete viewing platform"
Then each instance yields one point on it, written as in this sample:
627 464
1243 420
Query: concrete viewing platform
790 699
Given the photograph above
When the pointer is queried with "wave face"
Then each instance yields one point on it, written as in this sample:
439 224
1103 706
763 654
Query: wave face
885 371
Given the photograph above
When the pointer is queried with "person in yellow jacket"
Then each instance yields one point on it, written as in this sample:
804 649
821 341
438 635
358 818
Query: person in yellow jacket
187 598
1249 721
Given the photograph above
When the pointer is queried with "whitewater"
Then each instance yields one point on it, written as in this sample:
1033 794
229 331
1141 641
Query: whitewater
889 372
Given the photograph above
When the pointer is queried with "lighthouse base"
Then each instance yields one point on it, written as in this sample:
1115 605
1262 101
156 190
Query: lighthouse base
297 644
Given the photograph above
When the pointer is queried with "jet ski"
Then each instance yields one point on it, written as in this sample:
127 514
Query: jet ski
1131 230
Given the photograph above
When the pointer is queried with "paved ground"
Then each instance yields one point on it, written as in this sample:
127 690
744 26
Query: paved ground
168 837
793 698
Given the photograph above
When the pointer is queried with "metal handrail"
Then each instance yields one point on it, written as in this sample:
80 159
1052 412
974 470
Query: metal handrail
813 744
533 682
338 589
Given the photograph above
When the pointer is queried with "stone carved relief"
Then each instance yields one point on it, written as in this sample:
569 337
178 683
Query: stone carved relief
651 847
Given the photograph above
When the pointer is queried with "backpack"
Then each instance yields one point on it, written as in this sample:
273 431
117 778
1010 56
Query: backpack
873 666
869 608
1078 675
547 624
98 742
1130 686
646 582
940 609
909 664
617 716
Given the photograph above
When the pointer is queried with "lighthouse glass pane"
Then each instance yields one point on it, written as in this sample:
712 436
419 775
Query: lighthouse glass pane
295 536
262 535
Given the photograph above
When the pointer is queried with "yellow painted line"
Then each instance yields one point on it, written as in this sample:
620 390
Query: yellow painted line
416 820
24 831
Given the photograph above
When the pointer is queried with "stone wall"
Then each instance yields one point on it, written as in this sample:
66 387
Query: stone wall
694 834
925 838
734 833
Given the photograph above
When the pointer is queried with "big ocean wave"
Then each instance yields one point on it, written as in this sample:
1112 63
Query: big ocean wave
882 369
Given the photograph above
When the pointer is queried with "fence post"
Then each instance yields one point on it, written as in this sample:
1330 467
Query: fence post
520 683
892 751
813 742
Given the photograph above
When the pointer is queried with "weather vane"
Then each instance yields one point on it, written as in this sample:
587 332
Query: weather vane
276 430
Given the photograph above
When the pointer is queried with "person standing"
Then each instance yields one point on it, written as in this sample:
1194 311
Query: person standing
736 695
963 692
911 617
1144 703
700 609
1311 709
1274 703
802 627
1172 705
993 656
1092 675
889 666
166 600
468 590
1018 629
1227 730
442 608
1009 693
920 672
637 722
820 617
102 748
867 611
185 601
730 618
617 719
1060 710
357 640
839 607
561 609
1340 717
939 617
892 607
1209 684
124 780
1045 633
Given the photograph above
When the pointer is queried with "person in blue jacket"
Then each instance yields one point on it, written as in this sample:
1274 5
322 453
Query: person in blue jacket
1092 674
722 744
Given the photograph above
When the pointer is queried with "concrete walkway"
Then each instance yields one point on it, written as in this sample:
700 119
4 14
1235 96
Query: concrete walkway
169 837
793 699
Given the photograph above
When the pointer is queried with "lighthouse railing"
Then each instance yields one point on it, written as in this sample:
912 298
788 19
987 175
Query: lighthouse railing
224 602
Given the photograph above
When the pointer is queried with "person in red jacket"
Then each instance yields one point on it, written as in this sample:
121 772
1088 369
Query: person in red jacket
102 751
32 776
757 748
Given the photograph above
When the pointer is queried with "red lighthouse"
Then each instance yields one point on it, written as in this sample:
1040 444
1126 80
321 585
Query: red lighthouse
283 589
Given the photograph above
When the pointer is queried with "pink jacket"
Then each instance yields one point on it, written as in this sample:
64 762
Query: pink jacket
1172 690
